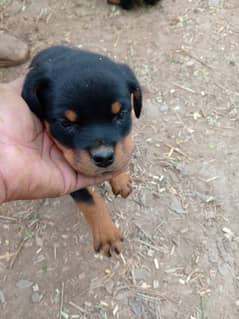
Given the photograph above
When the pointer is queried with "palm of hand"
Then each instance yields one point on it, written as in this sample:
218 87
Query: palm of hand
31 164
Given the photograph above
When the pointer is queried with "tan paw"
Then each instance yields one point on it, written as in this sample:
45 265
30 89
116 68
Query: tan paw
107 239
121 185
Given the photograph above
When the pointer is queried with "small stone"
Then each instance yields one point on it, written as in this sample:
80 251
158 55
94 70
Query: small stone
144 285
136 307
176 206
190 63
64 315
224 269
141 274
36 297
2 297
150 252
163 107
35 288
109 287
23 283
215 3
181 281
155 284
228 233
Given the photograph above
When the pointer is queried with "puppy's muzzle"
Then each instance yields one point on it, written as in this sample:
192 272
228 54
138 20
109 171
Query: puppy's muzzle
103 156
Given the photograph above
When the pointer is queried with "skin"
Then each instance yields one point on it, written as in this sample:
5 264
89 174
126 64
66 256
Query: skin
31 166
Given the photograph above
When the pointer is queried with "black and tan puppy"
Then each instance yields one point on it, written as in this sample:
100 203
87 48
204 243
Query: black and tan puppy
130 4
85 101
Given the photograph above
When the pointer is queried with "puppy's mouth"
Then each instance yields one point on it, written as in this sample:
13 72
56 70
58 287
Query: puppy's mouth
99 161
94 171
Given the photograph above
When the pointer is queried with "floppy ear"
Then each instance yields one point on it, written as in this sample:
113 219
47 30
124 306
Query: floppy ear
134 88
34 91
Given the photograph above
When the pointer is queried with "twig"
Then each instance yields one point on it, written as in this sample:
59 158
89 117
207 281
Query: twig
185 52
145 234
7 256
77 307
62 299
9 219
185 88
176 149
16 254
202 308
147 244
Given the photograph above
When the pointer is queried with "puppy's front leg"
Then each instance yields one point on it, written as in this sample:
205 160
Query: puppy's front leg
107 238
121 185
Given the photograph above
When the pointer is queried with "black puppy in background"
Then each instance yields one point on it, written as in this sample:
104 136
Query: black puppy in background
130 4
86 102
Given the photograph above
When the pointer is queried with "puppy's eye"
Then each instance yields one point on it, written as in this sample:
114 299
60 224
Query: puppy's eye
65 123
121 115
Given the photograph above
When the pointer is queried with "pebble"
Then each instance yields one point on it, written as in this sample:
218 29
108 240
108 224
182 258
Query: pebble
36 297
141 274
136 307
35 288
155 284
2 297
176 206
163 107
24 284
215 3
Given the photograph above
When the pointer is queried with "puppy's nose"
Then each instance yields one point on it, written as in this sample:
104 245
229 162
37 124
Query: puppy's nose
103 156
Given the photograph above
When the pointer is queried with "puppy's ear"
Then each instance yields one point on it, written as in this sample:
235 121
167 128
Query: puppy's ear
35 90
134 88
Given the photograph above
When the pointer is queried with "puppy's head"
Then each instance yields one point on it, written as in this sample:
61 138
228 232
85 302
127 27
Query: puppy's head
86 101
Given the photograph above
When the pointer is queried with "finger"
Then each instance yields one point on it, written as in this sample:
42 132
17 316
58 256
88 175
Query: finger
17 84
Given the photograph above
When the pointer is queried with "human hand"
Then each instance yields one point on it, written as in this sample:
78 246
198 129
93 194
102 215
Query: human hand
31 166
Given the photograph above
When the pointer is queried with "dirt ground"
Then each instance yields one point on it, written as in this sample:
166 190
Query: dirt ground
181 224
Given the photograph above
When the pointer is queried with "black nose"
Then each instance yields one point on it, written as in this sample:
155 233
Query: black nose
103 156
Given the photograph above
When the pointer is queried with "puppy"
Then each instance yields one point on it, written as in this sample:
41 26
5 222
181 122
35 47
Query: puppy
130 4
86 102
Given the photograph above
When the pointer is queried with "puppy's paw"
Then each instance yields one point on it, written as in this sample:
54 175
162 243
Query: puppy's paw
107 239
121 185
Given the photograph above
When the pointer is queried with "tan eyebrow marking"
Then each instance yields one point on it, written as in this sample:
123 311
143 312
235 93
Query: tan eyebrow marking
71 115
116 107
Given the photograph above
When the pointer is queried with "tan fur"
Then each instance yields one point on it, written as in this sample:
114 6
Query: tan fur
116 107
71 115
121 185
105 235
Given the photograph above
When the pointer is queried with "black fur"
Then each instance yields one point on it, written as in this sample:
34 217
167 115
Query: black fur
63 78
82 195
130 4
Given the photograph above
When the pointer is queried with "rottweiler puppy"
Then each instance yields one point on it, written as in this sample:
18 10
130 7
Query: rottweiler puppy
86 102
130 4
